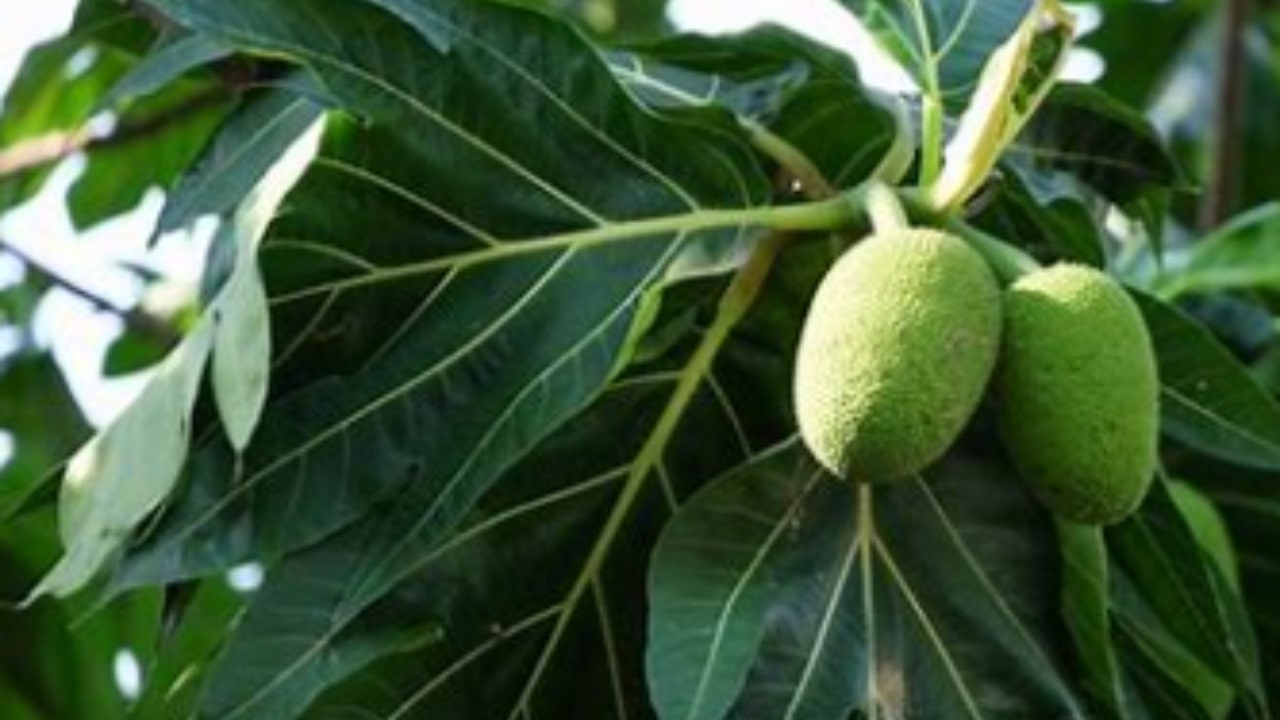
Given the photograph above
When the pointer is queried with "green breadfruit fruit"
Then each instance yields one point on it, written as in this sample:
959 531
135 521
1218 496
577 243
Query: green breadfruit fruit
899 343
1079 394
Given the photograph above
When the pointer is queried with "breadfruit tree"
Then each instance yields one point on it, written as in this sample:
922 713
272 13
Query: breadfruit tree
549 362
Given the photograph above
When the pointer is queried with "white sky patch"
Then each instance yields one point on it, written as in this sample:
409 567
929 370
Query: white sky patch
38 20
128 674
245 578
6 448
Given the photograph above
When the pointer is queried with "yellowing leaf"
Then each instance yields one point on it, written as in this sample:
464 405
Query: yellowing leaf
1014 81
127 470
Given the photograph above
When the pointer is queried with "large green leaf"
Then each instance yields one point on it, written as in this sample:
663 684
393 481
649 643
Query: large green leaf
781 592
574 521
444 286
944 44
1208 400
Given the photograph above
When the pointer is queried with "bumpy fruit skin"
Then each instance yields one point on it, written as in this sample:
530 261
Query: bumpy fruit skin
1079 396
899 343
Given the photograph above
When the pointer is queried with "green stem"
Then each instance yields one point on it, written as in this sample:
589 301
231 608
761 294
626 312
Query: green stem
830 214
812 182
931 139
885 210
1008 262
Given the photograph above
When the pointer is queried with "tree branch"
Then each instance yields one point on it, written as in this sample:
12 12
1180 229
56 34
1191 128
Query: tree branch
54 147
133 318
1224 170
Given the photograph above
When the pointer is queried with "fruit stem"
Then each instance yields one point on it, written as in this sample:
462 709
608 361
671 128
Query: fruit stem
1008 262
931 138
885 210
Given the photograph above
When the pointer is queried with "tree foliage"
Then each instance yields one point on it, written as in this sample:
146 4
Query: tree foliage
490 374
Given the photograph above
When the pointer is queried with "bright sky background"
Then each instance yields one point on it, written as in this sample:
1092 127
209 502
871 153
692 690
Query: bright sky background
79 334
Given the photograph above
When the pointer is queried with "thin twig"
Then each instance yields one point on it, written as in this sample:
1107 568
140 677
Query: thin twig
44 150
133 318
1224 173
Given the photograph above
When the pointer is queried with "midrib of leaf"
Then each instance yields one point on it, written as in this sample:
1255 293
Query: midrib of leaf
828 615
1053 154
819 215
1262 443
734 304
987 586
926 624
476 653
933 117
866 529
610 648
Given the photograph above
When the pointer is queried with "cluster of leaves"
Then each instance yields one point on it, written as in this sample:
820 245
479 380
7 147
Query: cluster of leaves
517 440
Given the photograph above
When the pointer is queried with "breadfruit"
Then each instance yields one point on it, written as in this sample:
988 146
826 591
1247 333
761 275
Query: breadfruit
1078 393
899 343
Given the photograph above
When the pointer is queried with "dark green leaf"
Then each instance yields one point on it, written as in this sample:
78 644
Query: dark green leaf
1208 399
241 152
1050 226
776 82
1110 148
165 65
37 408
779 592
432 326
1171 597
